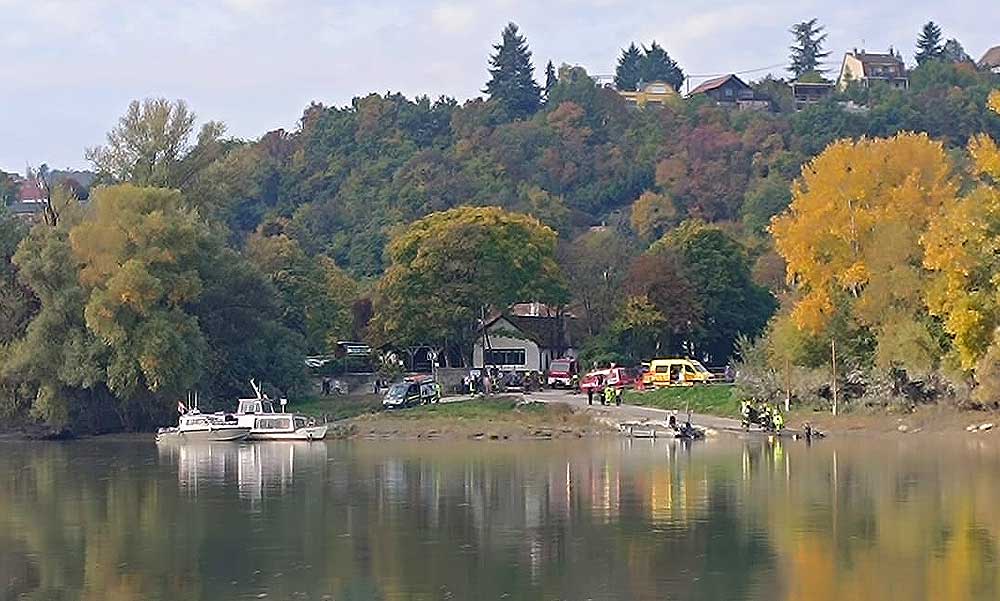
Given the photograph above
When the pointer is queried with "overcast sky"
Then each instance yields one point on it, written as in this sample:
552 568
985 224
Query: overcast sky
72 66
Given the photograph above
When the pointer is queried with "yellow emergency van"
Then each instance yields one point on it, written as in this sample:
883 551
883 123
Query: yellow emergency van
676 372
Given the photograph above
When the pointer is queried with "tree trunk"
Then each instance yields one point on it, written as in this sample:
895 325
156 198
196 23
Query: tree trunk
833 358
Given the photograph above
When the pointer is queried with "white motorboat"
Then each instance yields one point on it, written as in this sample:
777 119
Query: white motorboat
265 423
200 427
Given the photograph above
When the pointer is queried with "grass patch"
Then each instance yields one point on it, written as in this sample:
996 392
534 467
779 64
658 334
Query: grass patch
335 408
710 400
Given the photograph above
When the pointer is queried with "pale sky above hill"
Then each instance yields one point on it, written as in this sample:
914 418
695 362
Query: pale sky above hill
72 66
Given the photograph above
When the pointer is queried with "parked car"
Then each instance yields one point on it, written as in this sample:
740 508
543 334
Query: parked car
619 377
410 394
676 372
561 373
511 381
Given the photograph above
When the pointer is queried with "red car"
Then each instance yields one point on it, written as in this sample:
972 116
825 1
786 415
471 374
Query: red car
619 377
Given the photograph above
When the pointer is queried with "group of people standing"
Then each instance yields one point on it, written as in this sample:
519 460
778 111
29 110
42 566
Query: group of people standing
492 380
608 395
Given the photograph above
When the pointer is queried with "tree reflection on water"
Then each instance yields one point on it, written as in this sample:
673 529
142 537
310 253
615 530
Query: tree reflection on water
727 519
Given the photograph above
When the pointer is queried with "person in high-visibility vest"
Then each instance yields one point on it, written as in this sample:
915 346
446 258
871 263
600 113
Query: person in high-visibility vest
609 395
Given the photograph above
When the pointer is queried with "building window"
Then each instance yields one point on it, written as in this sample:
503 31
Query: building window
504 357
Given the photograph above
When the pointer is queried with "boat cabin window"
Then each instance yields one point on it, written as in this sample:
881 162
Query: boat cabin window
274 423
300 422
252 406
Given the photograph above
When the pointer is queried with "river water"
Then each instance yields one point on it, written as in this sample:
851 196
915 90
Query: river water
727 519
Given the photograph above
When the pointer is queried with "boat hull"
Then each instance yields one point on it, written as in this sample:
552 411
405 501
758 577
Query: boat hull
308 433
234 434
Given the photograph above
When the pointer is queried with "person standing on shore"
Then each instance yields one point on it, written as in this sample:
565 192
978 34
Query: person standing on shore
590 395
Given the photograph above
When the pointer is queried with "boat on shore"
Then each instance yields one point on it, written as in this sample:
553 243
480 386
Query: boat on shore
265 423
195 426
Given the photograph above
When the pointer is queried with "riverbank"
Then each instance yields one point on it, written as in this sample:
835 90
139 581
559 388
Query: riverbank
724 402
491 418
929 419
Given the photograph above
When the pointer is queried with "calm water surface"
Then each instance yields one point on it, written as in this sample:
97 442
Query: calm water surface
904 518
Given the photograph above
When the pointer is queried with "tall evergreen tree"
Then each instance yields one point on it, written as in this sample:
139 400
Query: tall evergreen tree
550 78
658 66
512 84
929 45
807 51
629 69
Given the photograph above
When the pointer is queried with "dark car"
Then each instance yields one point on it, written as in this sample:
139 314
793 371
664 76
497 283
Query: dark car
410 394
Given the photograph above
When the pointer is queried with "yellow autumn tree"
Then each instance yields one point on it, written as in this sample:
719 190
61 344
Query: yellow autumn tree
853 228
851 240
963 247
652 215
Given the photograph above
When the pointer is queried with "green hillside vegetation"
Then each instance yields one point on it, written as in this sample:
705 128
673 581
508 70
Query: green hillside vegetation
202 260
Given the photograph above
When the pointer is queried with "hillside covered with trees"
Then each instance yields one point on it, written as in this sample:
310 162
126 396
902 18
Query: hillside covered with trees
200 260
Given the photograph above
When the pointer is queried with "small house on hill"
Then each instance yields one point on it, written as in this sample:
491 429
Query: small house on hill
729 90
657 92
807 93
29 202
513 342
991 60
867 68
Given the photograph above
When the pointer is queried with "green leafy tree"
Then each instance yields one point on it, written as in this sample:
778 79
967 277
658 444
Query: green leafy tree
139 302
151 145
16 301
138 254
662 279
596 264
17 305
448 267
807 50
953 52
929 45
629 69
656 65
317 296
8 189
56 362
512 81
719 269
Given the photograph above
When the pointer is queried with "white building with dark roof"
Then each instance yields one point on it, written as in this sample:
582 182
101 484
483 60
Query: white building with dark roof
867 68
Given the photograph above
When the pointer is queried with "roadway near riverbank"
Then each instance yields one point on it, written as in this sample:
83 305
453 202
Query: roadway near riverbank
542 414
625 414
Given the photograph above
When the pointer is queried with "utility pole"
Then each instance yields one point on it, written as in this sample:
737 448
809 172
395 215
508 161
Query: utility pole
788 385
833 356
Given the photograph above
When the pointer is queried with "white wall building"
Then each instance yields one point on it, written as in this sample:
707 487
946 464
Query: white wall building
522 343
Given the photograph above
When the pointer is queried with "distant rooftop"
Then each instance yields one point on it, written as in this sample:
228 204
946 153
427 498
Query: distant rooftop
991 59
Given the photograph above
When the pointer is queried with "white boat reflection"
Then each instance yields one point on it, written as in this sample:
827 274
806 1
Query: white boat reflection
257 470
